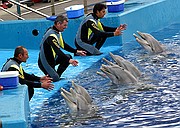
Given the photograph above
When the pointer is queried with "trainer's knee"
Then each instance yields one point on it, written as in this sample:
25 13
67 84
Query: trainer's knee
68 55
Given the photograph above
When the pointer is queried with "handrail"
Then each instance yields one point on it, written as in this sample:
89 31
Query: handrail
28 8
25 13
12 13
87 8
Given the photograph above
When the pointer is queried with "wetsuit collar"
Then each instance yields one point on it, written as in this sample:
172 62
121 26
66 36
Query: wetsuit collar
15 59
95 16
54 28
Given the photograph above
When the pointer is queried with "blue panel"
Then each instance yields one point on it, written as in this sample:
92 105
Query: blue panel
14 112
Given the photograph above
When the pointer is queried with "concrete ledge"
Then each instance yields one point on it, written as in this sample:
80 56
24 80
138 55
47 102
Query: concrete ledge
14 112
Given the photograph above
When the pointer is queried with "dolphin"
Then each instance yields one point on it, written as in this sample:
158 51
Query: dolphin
77 99
81 102
118 75
126 65
148 42
69 99
80 90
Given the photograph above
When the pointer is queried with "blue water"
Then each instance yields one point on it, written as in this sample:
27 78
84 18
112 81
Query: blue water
153 102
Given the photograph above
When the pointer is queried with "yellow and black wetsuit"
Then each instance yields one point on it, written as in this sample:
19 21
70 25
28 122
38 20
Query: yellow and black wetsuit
51 54
92 31
30 80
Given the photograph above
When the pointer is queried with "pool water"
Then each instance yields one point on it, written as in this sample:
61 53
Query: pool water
153 102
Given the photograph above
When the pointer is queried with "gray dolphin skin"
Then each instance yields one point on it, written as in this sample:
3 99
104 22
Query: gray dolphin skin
148 42
78 99
120 72
126 65
82 91
118 75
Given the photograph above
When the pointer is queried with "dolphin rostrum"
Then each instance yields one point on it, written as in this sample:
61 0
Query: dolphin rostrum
126 65
118 75
148 42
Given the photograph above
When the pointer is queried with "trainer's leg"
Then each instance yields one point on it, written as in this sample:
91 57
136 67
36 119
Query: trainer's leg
41 67
100 43
63 65
30 91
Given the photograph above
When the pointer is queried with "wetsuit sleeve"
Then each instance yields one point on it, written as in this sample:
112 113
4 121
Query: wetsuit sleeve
31 80
54 44
108 29
95 30
69 48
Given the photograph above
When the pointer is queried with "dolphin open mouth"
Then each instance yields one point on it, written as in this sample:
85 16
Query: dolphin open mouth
104 69
140 38
140 35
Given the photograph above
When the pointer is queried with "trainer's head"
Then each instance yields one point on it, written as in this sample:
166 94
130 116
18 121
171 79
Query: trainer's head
100 10
21 53
61 22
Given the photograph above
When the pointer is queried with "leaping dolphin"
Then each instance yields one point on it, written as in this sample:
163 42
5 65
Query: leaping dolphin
118 75
148 42
78 99
126 65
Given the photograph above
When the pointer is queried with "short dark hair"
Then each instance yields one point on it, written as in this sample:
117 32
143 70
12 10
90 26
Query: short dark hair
60 18
19 50
98 7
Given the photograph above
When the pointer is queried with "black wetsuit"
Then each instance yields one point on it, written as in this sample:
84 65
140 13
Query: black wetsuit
98 36
30 80
63 59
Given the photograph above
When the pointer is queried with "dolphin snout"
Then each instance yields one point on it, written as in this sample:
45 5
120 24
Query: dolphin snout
135 35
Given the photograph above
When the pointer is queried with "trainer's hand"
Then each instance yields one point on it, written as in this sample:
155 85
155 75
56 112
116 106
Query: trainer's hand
81 53
73 62
117 32
46 78
122 27
47 85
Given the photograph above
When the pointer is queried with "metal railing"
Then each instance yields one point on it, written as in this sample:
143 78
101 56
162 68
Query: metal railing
52 5
11 13
48 6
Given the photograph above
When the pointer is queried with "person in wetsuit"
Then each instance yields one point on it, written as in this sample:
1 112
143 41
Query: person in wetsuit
32 81
51 54
91 31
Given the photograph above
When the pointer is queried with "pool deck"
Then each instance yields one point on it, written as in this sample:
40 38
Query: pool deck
14 103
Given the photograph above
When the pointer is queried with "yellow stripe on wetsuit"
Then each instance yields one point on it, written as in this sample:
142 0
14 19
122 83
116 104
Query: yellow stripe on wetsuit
58 42
99 25
21 74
